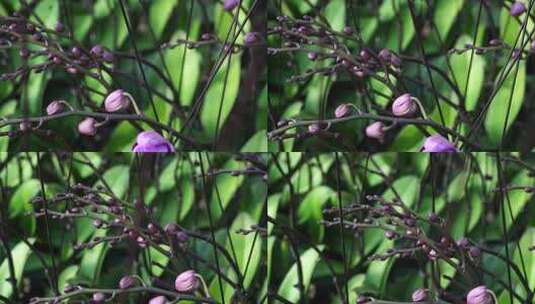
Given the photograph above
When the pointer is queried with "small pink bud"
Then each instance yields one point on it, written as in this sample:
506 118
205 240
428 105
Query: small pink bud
404 105
433 255
437 143
158 300
479 295
252 38
314 128
116 101
127 282
187 282
54 107
376 130
88 127
342 110
99 297
419 295
96 50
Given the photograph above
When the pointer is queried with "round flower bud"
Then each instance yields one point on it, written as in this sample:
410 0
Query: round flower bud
390 234
158 300
99 297
187 282
437 143
314 128
229 5
348 30
107 56
517 9
252 38
365 55
76 52
182 237
533 46
385 55
479 295
96 50
54 107
25 126
376 130
404 106
474 252
419 295
171 229
141 242
88 126
151 141
127 282
463 243
118 100
59 27
342 110
433 255
312 56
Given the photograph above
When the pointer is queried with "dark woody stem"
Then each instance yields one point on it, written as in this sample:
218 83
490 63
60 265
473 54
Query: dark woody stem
303 123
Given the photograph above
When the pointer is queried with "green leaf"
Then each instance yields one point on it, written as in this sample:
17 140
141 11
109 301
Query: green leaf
401 185
66 275
310 211
288 288
117 179
159 13
19 254
335 13
20 202
499 107
92 259
158 258
460 64
257 143
446 12
213 101
226 185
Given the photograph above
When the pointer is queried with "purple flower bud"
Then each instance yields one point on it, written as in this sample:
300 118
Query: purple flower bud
117 100
88 126
404 105
495 42
533 46
252 38
342 110
24 53
348 30
59 27
182 237
127 282
25 126
463 243
437 143
187 282
517 9
107 56
365 55
474 252
419 295
479 295
96 50
376 130
171 229
314 128
158 300
141 242
385 55
99 297
389 234
312 56
76 52
395 60
54 107
433 255
151 141
229 5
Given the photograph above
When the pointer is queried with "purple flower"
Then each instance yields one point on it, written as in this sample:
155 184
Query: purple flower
479 295
187 281
314 128
517 9
99 297
229 5
385 55
151 141
404 105
88 126
437 143
376 130
96 50
54 107
158 300
419 295
118 100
